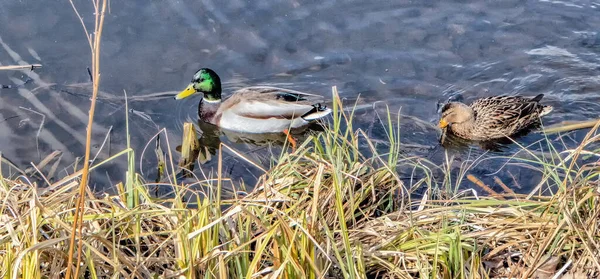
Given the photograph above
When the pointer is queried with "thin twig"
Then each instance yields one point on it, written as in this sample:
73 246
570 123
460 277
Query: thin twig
87 34
79 209
106 139
21 67
39 131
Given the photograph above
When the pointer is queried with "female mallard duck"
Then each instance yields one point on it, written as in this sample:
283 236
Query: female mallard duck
253 109
492 117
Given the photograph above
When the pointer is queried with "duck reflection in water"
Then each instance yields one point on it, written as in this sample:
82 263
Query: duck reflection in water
450 141
212 136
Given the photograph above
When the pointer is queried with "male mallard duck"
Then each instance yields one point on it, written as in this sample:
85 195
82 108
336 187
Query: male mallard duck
492 117
258 109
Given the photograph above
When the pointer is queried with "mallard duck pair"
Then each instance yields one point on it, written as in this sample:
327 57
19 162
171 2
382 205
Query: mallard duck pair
258 109
276 110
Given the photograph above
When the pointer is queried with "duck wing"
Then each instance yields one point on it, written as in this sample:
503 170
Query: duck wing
264 102
506 111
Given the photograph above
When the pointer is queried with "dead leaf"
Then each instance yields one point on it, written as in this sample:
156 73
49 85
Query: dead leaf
547 269
577 274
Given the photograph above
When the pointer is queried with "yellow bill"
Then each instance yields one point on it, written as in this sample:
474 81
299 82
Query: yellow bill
443 123
188 91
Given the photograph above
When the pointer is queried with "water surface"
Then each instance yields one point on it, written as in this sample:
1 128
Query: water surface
407 54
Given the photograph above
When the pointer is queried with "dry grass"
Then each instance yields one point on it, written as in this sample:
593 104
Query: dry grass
327 210
324 211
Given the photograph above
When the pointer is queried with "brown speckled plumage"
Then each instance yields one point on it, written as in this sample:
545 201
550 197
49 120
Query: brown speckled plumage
492 117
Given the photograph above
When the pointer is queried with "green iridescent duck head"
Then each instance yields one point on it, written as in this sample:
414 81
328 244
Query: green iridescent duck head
205 81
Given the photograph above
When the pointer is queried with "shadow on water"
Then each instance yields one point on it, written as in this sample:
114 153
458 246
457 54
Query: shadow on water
213 138
454 143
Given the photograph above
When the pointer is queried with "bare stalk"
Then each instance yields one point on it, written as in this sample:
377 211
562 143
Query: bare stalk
570 126
79 209
20 67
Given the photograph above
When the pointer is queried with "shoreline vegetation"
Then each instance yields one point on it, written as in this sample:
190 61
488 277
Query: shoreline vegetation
327 210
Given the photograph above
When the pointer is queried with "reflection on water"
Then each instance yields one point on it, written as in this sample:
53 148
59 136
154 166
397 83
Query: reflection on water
256 149
408 55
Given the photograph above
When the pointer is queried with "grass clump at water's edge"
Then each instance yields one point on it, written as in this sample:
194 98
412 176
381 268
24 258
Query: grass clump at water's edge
324 211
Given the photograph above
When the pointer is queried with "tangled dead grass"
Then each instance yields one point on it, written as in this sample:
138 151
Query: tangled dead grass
324 211
328 210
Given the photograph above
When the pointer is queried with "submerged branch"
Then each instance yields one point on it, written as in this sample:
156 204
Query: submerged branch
569 126
21 67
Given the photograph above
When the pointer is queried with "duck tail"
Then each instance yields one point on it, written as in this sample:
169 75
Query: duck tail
318 111
546 110
537 98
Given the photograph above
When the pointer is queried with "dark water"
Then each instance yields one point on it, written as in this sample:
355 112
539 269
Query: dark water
408 54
